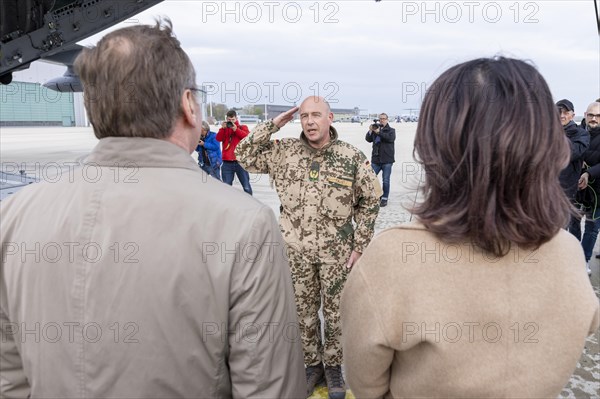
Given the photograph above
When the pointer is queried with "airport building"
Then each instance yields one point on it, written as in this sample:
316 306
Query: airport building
339 113
25 102
31 104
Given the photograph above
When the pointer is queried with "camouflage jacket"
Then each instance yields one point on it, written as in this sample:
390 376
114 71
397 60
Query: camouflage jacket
321 191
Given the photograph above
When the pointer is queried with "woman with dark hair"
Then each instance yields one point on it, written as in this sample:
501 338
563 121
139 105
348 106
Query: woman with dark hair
485 295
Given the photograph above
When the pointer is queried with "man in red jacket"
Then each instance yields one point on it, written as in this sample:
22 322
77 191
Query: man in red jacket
230 134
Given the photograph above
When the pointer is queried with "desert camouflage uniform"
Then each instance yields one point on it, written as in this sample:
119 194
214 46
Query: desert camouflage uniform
320 192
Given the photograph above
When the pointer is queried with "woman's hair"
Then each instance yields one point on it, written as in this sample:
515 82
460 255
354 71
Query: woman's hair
206 126
492 147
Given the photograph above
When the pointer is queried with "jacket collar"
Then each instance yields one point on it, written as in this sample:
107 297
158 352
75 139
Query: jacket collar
332 133
140 152
593 132
571 127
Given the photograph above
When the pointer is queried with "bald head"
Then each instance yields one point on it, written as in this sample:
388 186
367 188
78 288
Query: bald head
592 115
316 100
593 107
316 118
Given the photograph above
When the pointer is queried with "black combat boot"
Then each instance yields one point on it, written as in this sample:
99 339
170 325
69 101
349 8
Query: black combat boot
314 376
335 382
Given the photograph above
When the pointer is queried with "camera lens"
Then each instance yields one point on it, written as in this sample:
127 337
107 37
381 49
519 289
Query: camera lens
229 124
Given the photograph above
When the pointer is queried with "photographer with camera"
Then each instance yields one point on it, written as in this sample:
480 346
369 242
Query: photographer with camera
230 134
382 135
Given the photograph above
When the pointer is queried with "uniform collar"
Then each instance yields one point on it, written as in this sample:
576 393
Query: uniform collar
332 133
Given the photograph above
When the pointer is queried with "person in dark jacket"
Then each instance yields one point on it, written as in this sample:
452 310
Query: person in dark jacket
209 152
590 182
579 140
382 136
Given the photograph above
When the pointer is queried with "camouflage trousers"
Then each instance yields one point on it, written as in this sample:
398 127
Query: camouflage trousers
316 284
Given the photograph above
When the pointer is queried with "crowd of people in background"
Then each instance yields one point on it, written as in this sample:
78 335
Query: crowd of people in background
581 178
216 152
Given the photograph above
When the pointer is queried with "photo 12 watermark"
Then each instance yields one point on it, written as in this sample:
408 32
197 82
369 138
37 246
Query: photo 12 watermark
470 331
411 92
270 92
19 92
444 253
70 252
70 332
248 251
253 12
72 171
453 12
250 332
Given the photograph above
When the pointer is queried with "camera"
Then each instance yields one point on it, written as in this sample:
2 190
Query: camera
376 125
229 124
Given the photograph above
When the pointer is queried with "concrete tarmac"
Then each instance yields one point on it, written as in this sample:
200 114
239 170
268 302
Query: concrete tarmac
45 153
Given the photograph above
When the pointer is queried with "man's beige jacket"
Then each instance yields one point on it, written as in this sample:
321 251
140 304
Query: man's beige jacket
139 276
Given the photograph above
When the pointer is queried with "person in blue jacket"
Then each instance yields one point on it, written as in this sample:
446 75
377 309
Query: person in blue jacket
209 152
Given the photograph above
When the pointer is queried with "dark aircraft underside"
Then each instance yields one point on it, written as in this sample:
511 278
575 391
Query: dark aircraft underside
49 30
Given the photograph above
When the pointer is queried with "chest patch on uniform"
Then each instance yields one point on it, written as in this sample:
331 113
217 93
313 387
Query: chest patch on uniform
340 181
313 174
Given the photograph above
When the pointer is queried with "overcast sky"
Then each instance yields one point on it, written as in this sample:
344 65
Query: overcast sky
378 56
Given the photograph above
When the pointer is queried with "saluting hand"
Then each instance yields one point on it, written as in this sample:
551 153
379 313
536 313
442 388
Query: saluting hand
282 119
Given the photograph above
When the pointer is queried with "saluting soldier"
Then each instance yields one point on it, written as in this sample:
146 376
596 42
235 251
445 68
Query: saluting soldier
324 184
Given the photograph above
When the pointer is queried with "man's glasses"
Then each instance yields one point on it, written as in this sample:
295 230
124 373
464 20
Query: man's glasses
200 93
592 116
